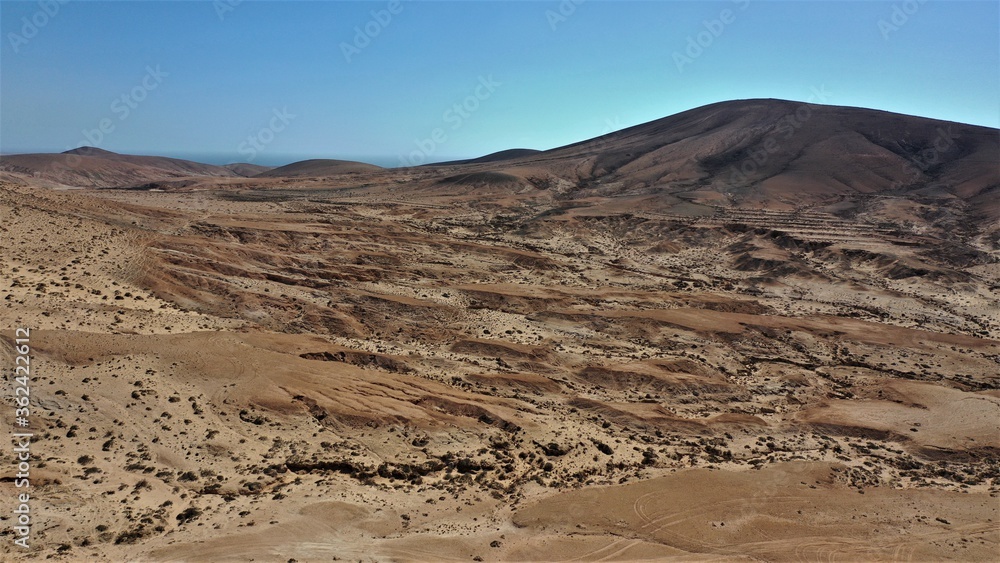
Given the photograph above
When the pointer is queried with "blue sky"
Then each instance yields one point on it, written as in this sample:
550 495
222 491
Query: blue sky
272 82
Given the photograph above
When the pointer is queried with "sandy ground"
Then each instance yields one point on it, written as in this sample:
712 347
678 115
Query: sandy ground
318 371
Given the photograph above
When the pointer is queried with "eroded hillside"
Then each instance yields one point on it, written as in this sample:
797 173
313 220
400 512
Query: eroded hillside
323 370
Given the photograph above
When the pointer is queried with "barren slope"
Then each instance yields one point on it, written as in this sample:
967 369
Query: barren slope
95 168
601 352
343 372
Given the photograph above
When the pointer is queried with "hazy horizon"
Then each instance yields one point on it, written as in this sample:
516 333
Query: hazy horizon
416 83
265 159
277 160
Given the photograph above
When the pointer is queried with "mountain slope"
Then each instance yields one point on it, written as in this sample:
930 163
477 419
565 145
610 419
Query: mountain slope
91 167
319 167
246 170
499 156
775 152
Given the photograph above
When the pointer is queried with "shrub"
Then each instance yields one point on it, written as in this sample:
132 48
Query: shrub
188 515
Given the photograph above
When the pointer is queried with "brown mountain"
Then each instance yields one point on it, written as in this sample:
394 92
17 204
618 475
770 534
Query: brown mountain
320 167
612 350
247 170
499 156
777 153
91 167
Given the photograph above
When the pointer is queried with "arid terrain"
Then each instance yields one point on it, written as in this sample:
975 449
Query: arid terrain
757 330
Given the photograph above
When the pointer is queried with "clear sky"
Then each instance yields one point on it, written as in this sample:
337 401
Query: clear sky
273 82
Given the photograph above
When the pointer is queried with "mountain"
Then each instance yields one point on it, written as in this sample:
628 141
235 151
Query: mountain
320 167
247 170
776 153
758 153
90 167
499 156
617 349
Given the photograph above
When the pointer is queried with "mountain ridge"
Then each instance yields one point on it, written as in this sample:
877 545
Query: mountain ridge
757 152
750 151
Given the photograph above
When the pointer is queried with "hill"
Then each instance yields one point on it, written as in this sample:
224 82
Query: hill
247 170
776 154
90 167
499 156
320 167
603 351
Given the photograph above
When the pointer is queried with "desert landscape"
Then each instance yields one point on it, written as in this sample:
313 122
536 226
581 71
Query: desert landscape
756 330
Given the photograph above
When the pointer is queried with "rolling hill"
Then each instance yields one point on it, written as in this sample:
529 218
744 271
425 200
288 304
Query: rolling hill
90 167
613 350
320 167
776 153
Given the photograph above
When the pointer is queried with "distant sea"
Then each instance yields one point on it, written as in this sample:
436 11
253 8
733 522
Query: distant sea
262 159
